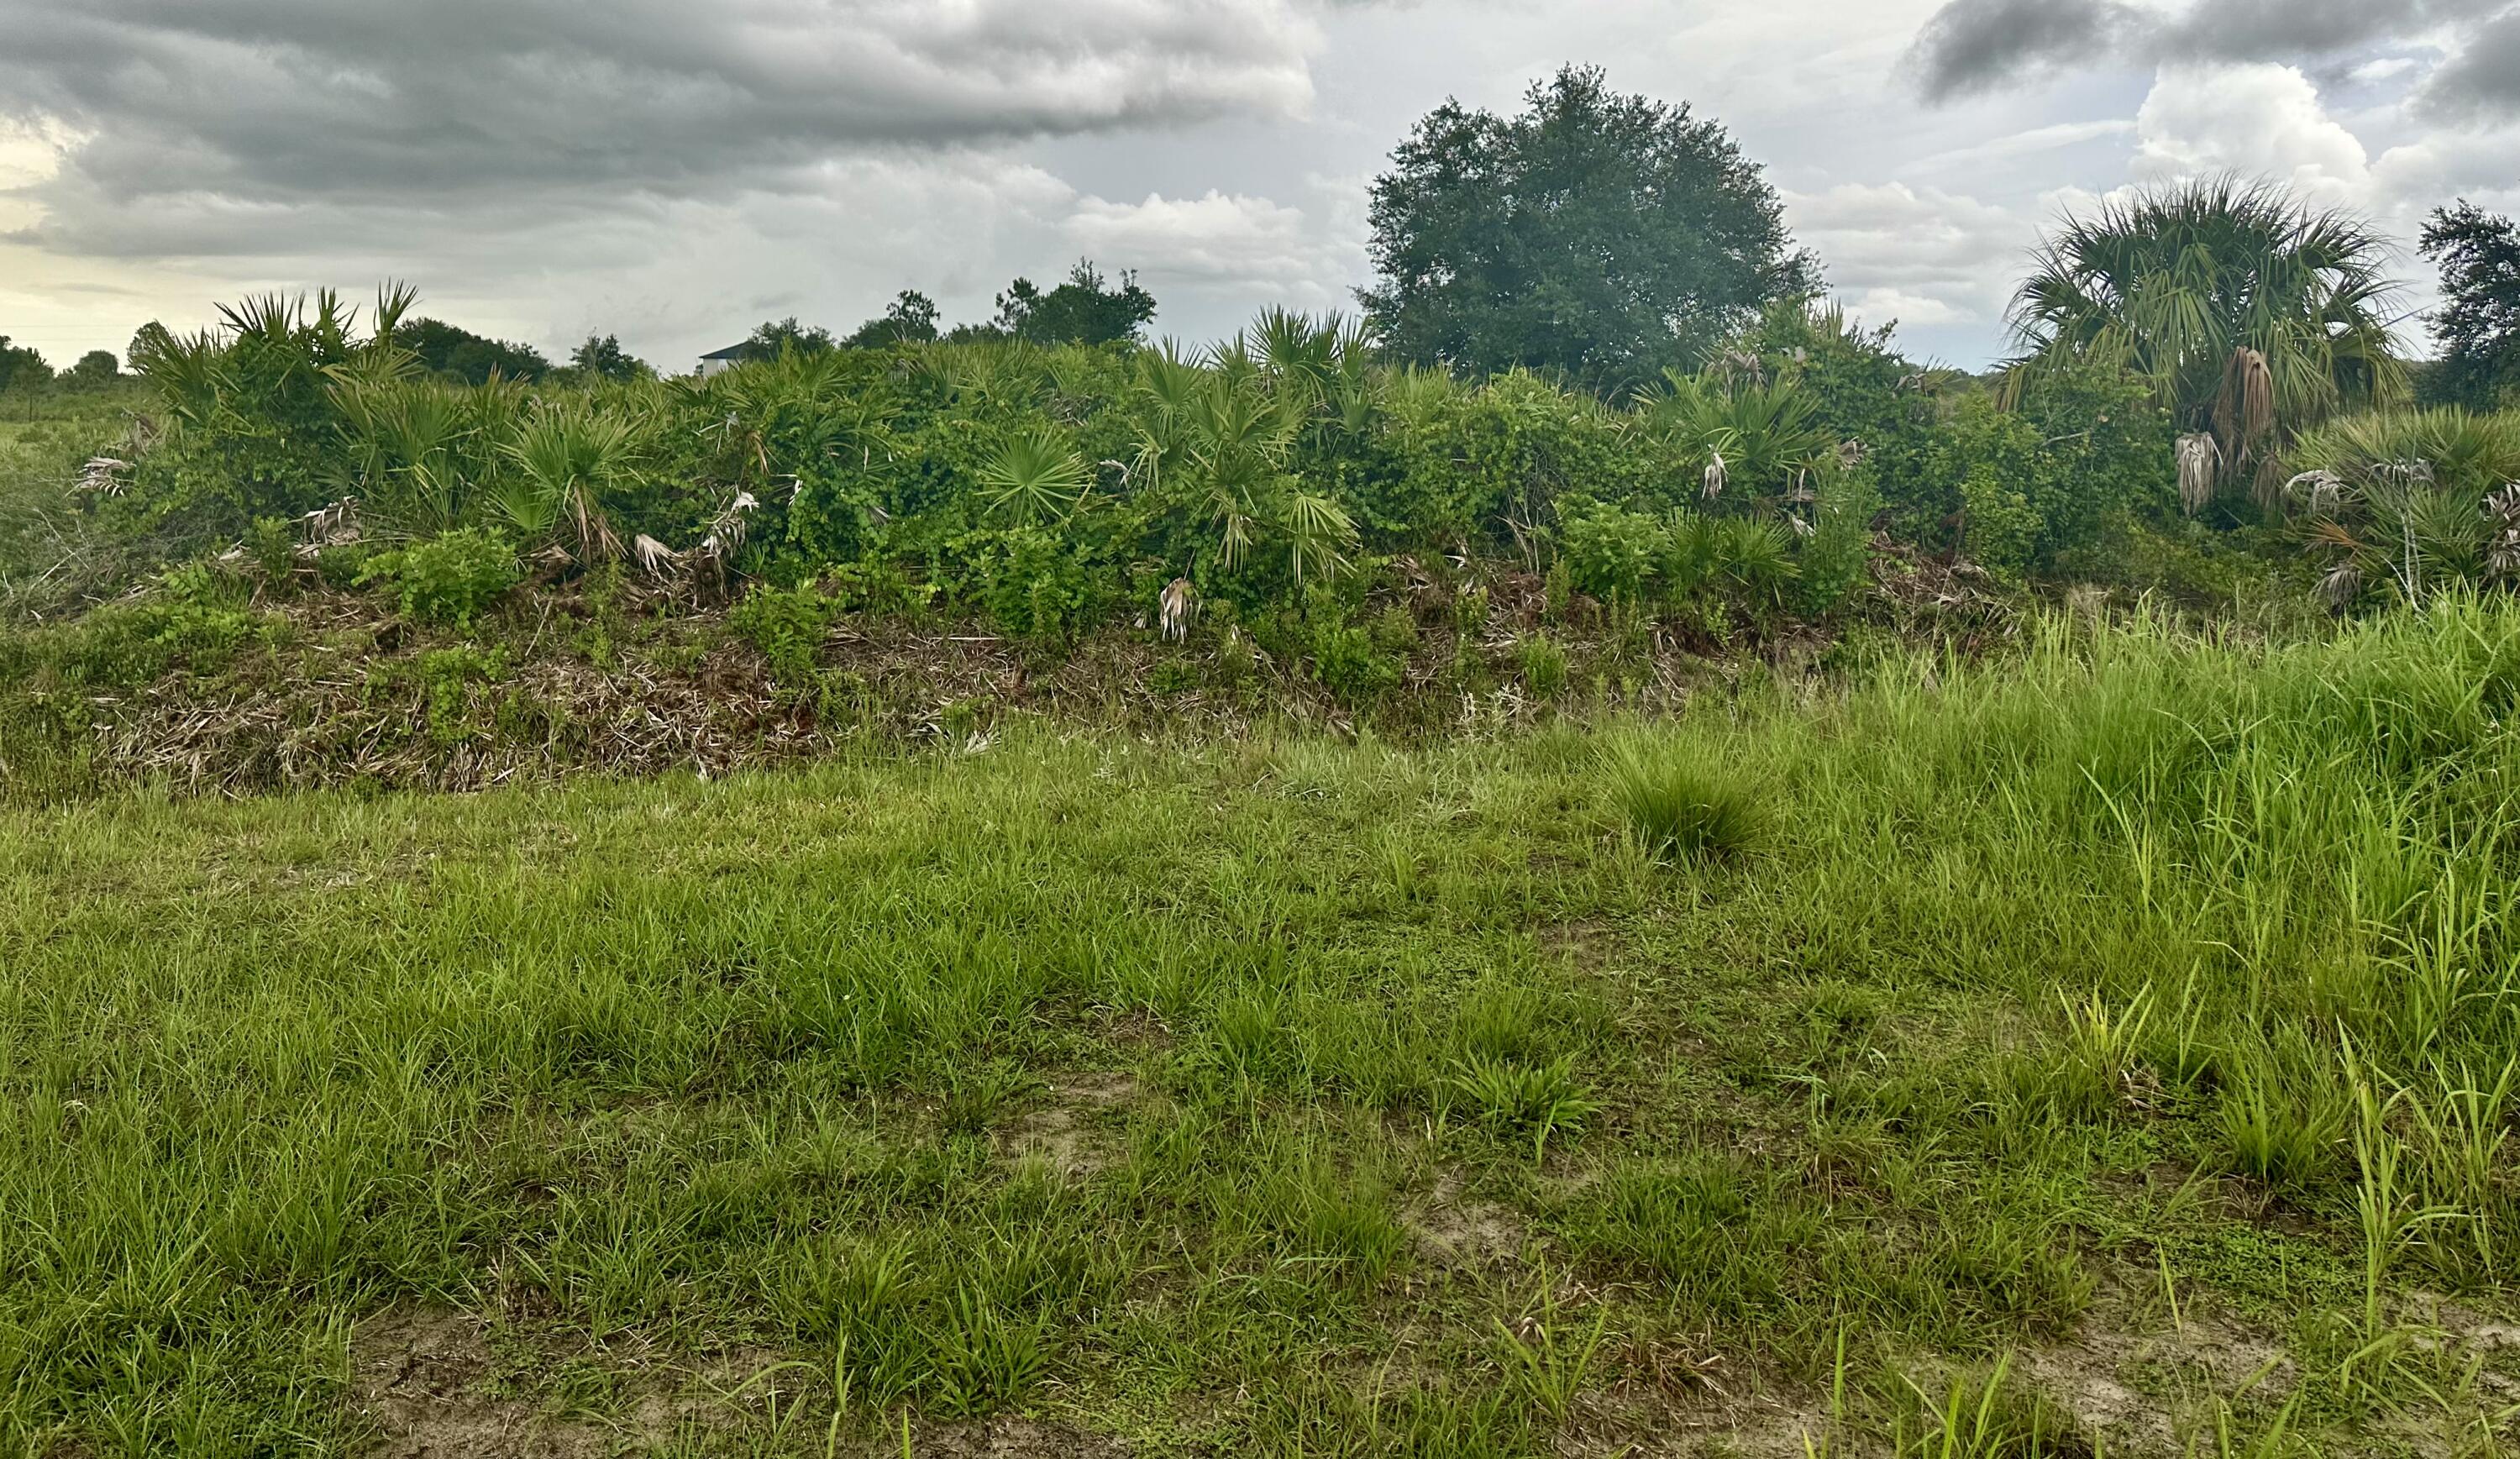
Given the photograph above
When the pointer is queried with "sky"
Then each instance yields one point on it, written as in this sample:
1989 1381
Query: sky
675 173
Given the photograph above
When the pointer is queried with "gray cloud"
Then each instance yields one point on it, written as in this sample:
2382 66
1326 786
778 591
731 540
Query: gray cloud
217 122
1980 45
1975 45
2483 81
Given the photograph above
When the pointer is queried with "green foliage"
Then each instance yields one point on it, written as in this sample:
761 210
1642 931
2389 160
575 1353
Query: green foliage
2243 312
1599 236
1034 586
1834 557
2409 503
788 627
196 621
448 579
1083 309
1611 551
1541 661
2079 451
2478 326
1350 661
460 354
601 357
21 366
1538 1100
445 678
910 318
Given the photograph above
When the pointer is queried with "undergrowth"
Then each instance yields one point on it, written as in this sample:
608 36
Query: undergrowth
2136 999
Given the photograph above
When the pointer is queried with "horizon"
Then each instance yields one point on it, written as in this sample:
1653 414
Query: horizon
677 179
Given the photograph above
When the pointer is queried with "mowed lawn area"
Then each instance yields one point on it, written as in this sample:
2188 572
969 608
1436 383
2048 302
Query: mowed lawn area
2104 1047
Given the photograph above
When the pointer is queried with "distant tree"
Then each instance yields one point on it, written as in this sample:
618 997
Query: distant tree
2478 325
147 342
774 337
603 357
1600 236
2249 315
909 319
459 352
22 367
1087 309
94 371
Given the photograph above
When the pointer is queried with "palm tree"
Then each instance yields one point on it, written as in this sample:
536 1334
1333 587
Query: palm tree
2252 315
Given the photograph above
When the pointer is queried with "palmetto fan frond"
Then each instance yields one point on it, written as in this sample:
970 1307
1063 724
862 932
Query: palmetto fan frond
1035 477
2251 314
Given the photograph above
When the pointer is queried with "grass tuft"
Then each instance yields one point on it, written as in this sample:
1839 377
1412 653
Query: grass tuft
1680 810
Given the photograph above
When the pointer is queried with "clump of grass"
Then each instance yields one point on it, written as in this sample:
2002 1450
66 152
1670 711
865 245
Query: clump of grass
1538 1099
1680 811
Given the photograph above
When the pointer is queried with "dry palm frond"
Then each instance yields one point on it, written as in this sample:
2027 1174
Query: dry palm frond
2342 584
103 476
716 553
2244 411
1716 476
2200 461
2319 493
653 557
2502 544
1179 606
337 525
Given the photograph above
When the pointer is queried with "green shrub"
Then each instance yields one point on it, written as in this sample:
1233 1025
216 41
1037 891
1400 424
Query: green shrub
447 579
446 675
788 626
2000 530
1347 662
1033 585
1611 551
1541 664
1841 545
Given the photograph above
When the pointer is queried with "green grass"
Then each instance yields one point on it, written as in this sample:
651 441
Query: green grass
2134 995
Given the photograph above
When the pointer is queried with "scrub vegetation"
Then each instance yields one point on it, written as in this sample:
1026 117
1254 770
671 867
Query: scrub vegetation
1617 869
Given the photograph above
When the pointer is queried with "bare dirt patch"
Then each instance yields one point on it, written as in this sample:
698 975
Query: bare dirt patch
1066 1130
1455 1228
1013 1439
424 1381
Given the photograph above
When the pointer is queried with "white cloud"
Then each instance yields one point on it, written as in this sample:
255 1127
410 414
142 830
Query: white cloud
1921 255
2254 119
1219 238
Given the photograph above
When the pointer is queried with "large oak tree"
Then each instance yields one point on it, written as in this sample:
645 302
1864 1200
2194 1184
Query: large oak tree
1600 236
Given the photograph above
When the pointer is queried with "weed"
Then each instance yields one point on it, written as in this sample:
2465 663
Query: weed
1541 1100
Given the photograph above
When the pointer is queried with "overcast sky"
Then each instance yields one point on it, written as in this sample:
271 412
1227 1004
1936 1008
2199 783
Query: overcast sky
675 173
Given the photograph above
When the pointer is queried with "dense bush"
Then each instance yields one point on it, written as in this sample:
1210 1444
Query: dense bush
447 579
1048 489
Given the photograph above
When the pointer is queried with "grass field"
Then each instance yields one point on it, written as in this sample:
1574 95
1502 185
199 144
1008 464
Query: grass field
2108 1048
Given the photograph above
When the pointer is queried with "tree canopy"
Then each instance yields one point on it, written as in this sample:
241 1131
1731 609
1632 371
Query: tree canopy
449 349
603 357
2249 314
911 318
1602 235
772 339
95 369
21 366
2478 326
1086 309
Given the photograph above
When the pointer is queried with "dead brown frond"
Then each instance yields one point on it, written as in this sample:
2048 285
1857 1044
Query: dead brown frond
103 474
2200 461
653 557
